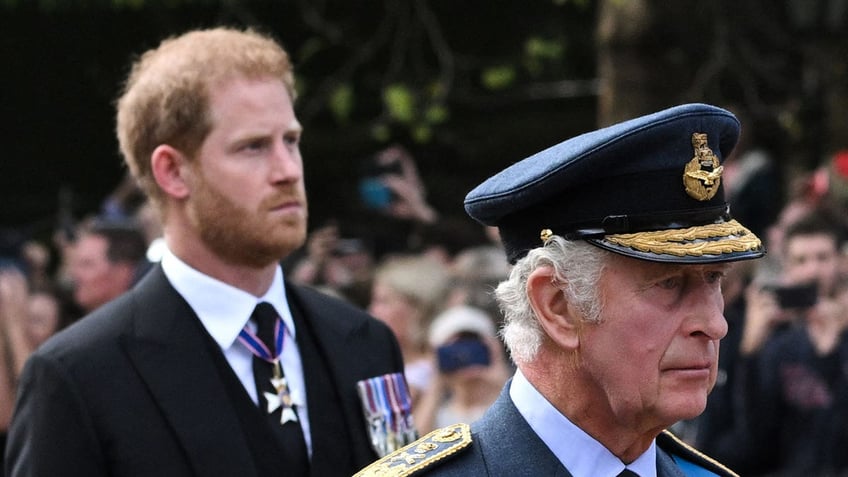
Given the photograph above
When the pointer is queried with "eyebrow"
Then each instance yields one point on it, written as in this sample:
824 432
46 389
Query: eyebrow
664 269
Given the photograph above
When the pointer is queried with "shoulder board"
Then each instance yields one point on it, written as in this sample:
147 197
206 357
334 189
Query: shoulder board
681 450
421 454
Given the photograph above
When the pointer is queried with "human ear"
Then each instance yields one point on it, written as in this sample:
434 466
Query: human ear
169 167
555 314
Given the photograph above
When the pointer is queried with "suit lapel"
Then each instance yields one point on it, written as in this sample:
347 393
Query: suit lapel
170 353
329 335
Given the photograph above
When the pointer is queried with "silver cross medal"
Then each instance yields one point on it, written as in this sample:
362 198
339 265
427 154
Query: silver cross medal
282 398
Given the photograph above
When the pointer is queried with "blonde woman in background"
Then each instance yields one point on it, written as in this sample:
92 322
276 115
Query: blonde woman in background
408 291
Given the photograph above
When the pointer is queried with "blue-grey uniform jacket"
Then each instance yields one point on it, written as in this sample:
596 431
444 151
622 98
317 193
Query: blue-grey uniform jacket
503 444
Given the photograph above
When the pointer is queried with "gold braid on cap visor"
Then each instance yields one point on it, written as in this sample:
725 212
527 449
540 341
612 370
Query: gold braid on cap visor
692 241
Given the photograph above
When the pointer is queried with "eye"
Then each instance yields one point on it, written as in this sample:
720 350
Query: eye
670 283
292 139
255 145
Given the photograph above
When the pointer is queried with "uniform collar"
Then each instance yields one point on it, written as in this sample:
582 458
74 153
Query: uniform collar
578 452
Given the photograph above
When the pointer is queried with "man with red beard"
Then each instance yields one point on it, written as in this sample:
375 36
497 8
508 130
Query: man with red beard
214 364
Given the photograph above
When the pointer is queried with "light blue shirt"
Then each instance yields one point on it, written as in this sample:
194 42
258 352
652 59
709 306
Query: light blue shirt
579 452
224 311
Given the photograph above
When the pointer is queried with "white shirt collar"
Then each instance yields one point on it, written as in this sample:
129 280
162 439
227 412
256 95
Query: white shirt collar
579 452
222 308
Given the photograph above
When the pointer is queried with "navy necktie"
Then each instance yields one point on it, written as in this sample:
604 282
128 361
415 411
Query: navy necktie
627 473
289 433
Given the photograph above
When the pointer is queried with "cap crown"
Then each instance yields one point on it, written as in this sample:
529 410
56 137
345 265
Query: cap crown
653 173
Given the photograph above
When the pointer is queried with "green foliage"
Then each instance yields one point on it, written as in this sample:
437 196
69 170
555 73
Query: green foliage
539 51
436 114
402 67
399 102
496 78
538 55
422 133
537 47
341 102
416 111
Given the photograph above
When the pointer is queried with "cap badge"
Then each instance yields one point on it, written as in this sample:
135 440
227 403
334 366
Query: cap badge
702 175
546 235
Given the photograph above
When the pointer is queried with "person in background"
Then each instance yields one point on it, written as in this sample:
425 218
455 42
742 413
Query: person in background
793 389
37 264
340 265
213 364
470 368
613 309
753 182
475 272
13 342
43 317
408 291
29 314
810 258
106 260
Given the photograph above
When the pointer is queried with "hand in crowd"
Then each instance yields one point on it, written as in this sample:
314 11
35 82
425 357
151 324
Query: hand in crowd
319 247
410 195
762 316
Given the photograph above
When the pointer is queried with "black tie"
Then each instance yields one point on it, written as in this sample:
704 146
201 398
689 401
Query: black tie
290 434
627 473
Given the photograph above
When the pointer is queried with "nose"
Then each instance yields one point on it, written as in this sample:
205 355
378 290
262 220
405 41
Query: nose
285 163
706 314
804 272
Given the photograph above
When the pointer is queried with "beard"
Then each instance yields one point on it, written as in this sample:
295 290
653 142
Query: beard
254 238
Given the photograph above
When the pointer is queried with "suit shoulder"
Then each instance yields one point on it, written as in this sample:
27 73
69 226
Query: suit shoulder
92 330
420 456
686 455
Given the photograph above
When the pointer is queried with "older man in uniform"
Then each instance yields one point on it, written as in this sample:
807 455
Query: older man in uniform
620 239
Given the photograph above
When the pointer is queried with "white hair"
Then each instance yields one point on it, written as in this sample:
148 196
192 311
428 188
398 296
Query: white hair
577 266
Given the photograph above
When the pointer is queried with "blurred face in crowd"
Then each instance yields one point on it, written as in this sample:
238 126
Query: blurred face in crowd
813 257
247 199
96 279
652 359
395 310
42 318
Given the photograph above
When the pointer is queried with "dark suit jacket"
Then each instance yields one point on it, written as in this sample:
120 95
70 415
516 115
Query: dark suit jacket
131 390
503 444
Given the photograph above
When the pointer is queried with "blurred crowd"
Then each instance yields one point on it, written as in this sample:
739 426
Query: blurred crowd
780 404
46 285
781 400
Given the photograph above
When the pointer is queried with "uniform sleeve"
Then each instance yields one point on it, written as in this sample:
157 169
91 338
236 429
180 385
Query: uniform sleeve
51 431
